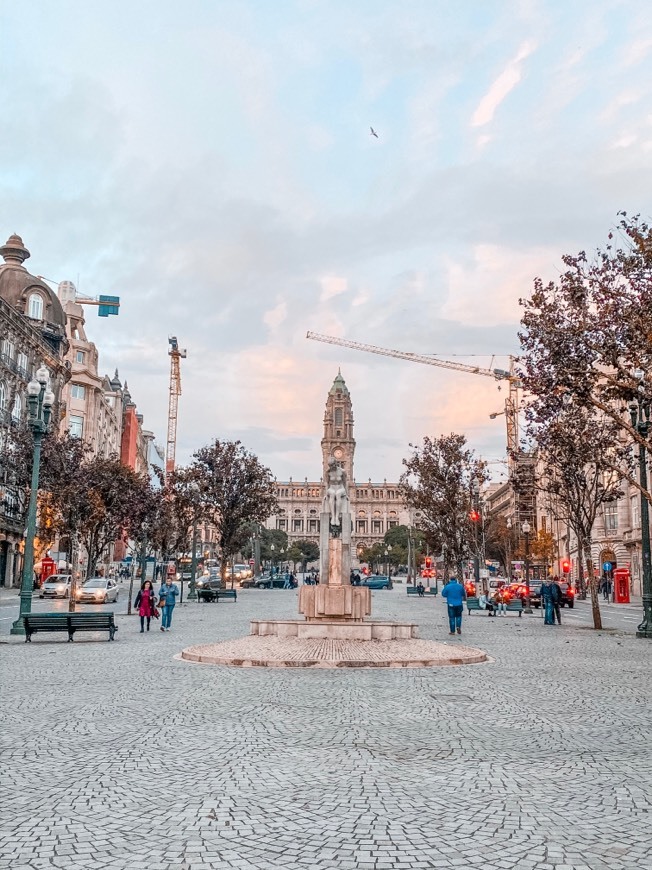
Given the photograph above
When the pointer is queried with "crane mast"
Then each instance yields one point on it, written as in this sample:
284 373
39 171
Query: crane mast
176 354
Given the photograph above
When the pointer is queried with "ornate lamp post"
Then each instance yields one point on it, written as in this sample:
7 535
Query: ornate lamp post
40 399
526 531
271 566
640 413
388 551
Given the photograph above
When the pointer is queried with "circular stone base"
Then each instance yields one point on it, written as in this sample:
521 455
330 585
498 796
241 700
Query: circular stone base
292 652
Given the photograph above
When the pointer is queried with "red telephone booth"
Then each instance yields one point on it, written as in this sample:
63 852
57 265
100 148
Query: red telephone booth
621 585
48 568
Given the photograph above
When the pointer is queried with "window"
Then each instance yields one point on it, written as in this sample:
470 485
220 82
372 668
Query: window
8 349
35 306
361 527
80 356
636 512
78 391
23 364
281 525
76 426
338 417
297 525
313 525
377 527
3 396
391 524
17 411
543 523
611 517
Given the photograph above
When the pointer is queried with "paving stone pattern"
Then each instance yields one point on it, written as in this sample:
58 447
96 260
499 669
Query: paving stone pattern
117 755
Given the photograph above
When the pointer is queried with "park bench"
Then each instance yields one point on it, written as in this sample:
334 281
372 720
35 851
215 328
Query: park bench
514 606
210 595
69 622
226 594
412 590
473 604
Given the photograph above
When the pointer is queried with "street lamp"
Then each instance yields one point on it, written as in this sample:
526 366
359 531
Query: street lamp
192 594
387 554
40 399
475 517
639 412
526 531
271 567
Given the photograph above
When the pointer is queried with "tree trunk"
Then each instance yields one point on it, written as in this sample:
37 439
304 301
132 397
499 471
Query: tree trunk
593 585
580 572
74 546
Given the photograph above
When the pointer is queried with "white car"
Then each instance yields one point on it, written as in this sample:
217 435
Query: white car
98 590
56 586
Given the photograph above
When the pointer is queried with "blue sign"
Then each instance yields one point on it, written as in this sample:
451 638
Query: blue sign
606 566
108 305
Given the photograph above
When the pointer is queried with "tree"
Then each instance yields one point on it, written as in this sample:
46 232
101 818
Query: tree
438 481
501 542
236 490
581 456
308 552
587 336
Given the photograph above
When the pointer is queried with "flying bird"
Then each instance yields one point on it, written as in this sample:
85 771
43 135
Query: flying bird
373 132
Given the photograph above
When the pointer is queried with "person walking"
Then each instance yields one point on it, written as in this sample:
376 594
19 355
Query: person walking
606 589
146 603
455 596
548 594
557 599
168 594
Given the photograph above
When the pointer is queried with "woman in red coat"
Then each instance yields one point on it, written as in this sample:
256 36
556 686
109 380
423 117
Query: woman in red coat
146 603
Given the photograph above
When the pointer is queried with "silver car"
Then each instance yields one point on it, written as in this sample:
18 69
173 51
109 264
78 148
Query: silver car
56 586
98 590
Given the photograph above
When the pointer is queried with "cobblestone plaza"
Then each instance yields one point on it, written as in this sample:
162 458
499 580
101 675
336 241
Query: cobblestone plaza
117 755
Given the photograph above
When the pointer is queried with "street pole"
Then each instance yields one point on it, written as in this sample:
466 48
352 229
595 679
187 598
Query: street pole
476 520
257 553
640 414
40 399
192 595
526 532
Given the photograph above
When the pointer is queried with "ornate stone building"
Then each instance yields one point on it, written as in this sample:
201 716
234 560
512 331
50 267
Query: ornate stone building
375 507
32 333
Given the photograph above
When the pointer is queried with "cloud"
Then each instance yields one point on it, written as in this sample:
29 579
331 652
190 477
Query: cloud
502 85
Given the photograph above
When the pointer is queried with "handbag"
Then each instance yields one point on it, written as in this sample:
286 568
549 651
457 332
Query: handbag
161 601
156 612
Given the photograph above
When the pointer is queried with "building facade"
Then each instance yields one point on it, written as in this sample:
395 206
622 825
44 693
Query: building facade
32 333
375 507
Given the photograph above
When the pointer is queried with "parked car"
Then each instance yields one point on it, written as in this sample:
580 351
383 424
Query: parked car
567 595
519 590
377 581
98 590
56 586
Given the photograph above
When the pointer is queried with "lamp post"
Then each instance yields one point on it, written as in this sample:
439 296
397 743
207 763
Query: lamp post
640 413
271 567
40 399
526 531
475 517
387 555
192 594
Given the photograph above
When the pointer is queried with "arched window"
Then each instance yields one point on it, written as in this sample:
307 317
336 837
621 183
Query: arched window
338 416
17 411
35 307
3 396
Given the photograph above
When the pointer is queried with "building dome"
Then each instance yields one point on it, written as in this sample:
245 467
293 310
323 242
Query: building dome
29 294
339 386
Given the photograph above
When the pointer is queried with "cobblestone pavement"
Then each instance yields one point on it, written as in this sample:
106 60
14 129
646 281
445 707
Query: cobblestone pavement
120 756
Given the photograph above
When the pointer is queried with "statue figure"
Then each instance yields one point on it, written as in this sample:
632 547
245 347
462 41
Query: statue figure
336 499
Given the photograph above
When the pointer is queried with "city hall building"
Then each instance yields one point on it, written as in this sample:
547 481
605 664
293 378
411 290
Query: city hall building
375 507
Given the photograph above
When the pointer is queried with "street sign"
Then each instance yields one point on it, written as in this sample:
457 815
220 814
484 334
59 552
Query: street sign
108 305
606 566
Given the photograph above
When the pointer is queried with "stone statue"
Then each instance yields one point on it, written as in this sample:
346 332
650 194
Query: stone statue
336 500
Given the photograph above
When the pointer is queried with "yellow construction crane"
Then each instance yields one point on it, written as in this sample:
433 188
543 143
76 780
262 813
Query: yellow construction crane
511 402
176 354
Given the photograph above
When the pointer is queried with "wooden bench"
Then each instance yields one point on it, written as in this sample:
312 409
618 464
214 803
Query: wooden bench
514 606
473 604
69 622
412 590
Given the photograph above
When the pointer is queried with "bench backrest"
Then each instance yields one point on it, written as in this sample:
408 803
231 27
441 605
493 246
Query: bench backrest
36 619
78 619
473 602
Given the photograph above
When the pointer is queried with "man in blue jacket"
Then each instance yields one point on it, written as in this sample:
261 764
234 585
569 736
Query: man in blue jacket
168 598
455 596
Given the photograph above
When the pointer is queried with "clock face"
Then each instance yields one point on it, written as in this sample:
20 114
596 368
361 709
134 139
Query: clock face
338 453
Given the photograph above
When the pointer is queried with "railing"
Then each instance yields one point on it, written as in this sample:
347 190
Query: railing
9 362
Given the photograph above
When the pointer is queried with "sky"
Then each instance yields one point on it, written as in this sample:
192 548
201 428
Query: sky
211 164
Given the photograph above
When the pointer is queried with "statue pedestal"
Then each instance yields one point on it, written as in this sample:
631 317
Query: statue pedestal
335 602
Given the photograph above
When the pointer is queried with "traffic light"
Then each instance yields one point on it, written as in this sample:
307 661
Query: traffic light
474 515
428 562
565 566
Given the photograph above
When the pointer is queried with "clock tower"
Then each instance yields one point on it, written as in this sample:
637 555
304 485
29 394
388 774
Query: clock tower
338 438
